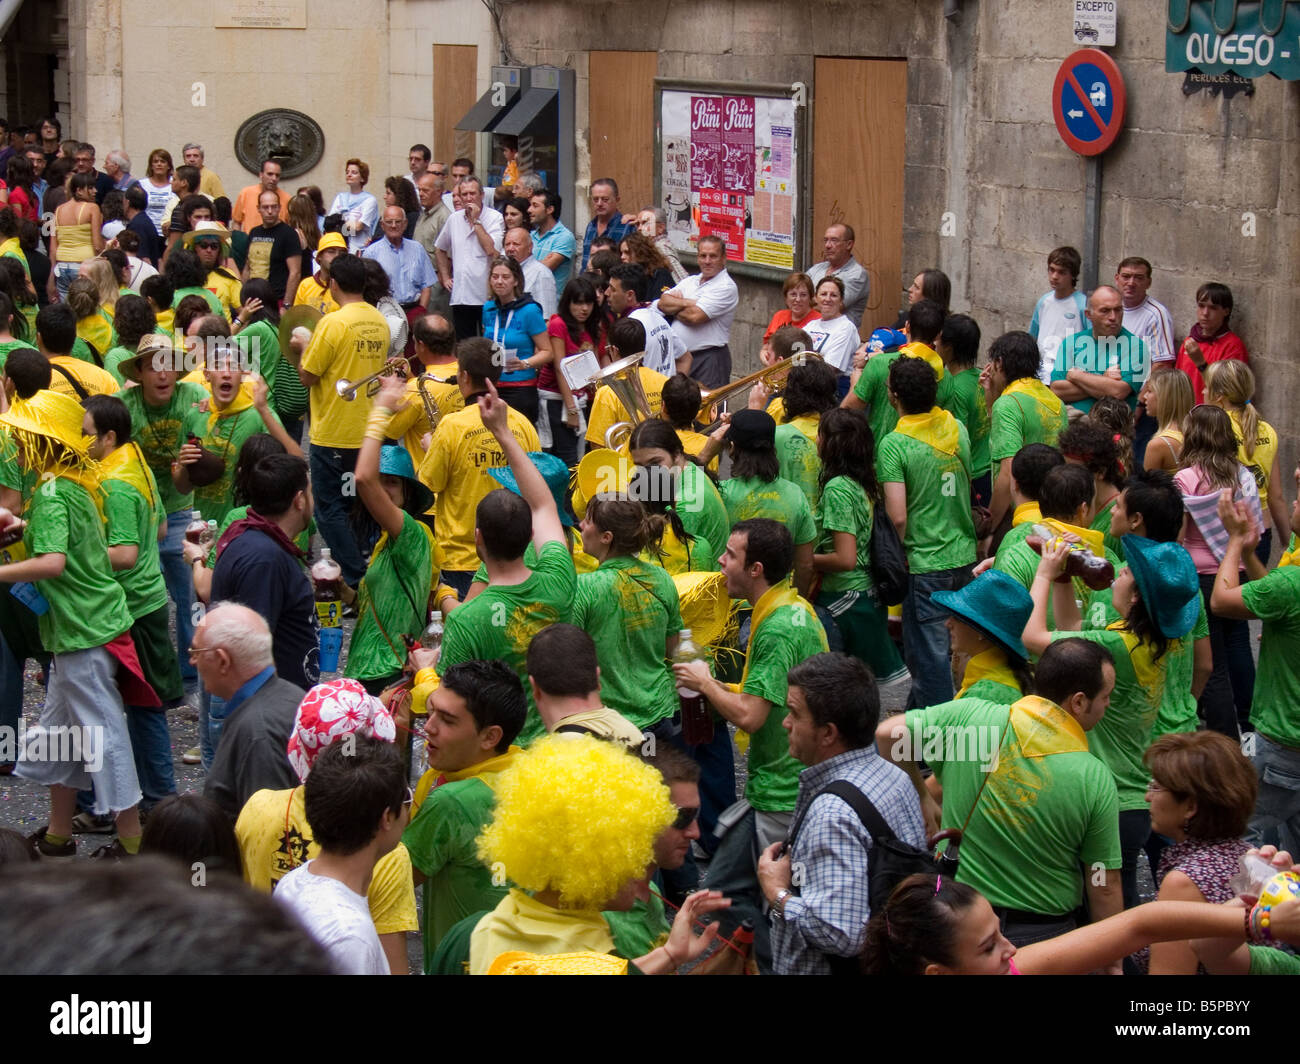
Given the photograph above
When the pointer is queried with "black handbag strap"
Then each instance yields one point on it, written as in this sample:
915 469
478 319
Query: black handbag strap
82 394
860 804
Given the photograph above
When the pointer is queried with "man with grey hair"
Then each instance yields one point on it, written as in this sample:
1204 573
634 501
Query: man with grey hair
539 282
117 164
232 651
209 183
702 308
465 247
652 222
837 246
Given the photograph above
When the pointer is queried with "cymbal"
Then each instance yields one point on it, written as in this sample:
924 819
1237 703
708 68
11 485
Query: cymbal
305 316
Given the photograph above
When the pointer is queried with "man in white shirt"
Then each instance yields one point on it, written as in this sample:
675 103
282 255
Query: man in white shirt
539 282
358 803
1060 311
839 260
1151 321
664 351
466 245
702 309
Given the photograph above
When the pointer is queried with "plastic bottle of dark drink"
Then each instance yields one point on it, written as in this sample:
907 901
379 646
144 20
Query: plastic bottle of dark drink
697 719
1096 572
327 579
197 527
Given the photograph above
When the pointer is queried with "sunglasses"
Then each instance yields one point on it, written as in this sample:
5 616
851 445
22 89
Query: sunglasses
208 244
686 817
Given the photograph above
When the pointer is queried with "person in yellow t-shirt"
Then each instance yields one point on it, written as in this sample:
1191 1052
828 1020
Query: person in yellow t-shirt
607 409
435 347
352 342
680 397
456 467
56 332
314 291
275 837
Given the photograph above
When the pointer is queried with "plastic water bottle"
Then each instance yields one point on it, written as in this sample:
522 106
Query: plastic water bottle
432 637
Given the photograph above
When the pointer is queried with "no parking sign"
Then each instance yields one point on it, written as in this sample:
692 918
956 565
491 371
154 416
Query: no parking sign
1088 101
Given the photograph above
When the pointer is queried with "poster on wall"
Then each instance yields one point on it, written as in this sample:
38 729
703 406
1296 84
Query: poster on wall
728 166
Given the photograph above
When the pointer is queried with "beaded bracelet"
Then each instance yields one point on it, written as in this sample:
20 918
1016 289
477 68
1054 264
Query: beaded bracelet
1257 922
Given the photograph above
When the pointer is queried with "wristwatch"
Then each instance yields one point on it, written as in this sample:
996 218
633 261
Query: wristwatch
779 904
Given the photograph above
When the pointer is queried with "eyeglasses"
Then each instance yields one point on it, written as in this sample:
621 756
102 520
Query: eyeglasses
196 651
410 797
686 817
438 173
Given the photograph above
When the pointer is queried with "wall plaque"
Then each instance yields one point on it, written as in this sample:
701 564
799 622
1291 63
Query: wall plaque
260 14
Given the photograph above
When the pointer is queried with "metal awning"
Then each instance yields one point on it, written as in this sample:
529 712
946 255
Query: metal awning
521 115
485 114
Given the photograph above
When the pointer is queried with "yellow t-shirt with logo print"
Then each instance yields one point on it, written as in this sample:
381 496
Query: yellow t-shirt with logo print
456 468
351 342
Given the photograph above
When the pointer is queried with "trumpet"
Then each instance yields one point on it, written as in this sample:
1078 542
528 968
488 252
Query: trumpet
347 390
772 376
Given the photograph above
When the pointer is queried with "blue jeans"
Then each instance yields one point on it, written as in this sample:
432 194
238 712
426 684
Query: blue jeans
212 717
64 274
151 743
180 589
1278 806
329 465
458 580
926 645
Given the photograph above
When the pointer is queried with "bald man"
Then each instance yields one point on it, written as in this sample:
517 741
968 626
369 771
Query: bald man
539 282
232 649
410 273
1105 359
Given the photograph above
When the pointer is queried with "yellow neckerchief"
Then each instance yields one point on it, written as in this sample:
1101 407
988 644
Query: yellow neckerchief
88 479
1037 391
1044 728
520 922
1150 676
925 351
1290 556
938 428
771 600
242 401
808 424
127 464
989 664
1026 512
487 771
1092 538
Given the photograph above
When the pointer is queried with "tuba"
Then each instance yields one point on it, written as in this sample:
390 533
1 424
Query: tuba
773 376
623 377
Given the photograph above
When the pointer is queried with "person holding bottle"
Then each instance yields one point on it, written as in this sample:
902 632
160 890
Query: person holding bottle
393 596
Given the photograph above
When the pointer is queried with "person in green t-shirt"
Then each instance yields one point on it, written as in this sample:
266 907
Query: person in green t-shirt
784 631
755 490
1151 505
848 497
1274 598
870 391
394 594
629 608
654 442
133 320
1092 445
1158 598
959 346
518 602
235 412
669 544
924 465
133 518
809 394
645 926
474 715
1022 411
83 612
1033 805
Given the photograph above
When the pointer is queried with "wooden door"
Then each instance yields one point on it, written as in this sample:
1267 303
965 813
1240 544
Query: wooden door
860 119
621 97
455 91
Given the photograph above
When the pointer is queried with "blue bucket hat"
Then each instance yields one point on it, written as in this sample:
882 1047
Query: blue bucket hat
396 462
554 472
996 605
1166 580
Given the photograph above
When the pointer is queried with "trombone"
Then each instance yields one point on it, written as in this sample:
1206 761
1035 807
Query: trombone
347 390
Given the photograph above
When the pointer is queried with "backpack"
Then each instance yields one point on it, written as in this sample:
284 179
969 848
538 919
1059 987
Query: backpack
888 559
892 860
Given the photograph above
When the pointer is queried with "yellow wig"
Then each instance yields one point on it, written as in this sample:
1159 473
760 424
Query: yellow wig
577 816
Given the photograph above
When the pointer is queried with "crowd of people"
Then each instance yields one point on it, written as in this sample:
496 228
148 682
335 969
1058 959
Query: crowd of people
580 590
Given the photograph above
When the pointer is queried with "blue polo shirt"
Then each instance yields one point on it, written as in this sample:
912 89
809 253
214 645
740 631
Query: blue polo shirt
408 267
560 240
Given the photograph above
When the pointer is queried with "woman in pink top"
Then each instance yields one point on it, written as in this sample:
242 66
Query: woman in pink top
1211 340
799 309
1209 466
